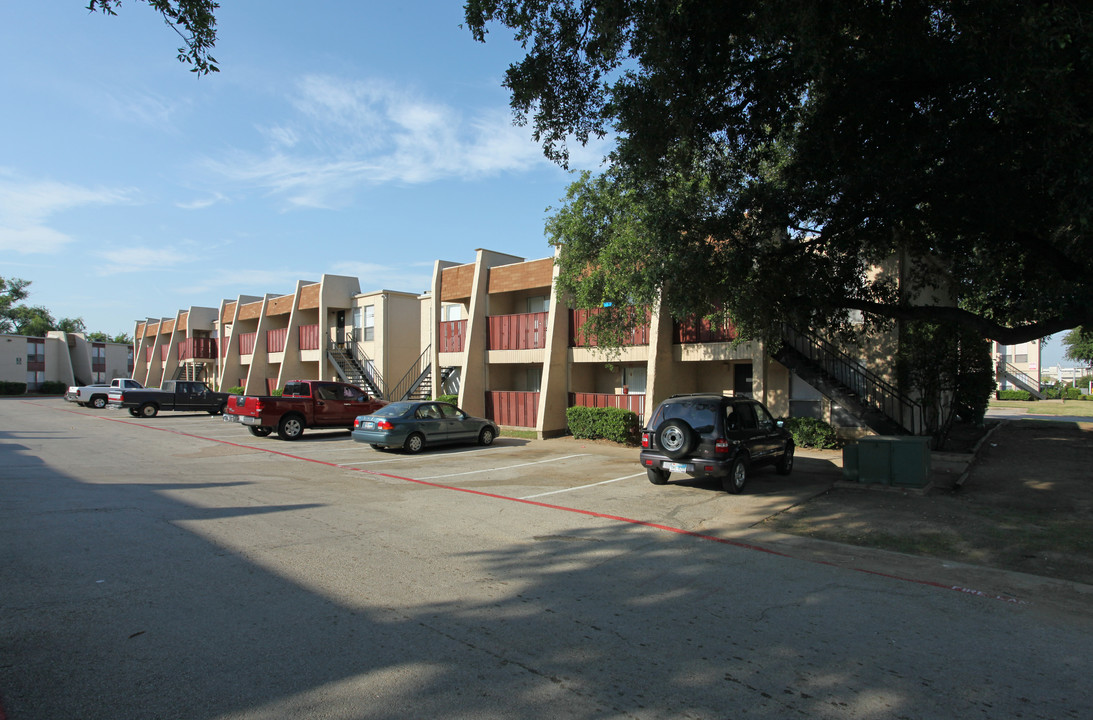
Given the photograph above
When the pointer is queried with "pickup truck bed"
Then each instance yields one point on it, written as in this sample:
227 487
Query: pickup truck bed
302 404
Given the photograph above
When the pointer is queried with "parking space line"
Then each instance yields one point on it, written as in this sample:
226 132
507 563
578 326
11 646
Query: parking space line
507 467
582 487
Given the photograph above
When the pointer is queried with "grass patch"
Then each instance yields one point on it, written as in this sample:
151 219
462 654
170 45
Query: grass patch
1082 408
515 433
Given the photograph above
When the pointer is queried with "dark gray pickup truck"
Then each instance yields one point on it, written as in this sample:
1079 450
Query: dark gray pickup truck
174 395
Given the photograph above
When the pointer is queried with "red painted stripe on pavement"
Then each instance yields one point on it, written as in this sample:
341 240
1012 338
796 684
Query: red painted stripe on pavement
590 513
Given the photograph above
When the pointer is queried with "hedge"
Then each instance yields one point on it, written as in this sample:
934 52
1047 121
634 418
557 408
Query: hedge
8 387
1014 395
52 387
810 432
453 399
615 424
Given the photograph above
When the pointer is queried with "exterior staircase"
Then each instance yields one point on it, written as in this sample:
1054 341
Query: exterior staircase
1005 371
356 368
417 383
876 403
190 371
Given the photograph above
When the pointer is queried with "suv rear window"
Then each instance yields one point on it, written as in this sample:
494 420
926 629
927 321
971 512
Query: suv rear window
699 413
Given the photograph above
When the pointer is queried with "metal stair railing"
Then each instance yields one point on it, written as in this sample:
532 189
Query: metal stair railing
1020 378
414 377
351 358
871 389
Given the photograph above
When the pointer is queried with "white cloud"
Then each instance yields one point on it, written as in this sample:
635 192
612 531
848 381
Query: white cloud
138 259
348 134
412 277
26 209
202 203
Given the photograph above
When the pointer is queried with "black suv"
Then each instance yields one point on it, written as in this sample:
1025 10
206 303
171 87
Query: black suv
707 435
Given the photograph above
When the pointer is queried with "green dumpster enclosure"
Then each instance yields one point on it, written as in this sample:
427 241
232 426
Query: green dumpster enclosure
885 460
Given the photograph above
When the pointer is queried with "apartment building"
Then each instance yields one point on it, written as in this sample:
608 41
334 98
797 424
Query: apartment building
69 358
1018 367
516 353
326 330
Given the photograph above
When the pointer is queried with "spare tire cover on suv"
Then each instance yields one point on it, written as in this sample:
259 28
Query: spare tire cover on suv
675 438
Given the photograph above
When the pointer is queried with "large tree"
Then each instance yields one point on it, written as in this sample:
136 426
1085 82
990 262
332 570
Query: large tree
1079 345
780 151
193 20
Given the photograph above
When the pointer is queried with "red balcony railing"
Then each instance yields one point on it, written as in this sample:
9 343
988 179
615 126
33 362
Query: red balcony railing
148 354
452 335
701 330
579 318
197 349
310 337
247 342
512 407
526 331
635 402
276 340
163 351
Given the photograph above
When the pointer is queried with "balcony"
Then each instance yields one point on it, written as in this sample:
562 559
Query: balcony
579 318
514 408
635 403
164 350
452 334
276 340
701 330
197 349
526 331
148 354
310 337
247 342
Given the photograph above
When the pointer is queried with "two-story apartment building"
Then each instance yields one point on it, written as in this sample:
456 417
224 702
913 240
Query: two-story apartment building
69 358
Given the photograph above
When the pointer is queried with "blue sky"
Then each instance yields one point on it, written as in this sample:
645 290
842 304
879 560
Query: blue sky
364 139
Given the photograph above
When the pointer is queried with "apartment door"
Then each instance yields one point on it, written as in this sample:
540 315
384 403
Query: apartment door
741 380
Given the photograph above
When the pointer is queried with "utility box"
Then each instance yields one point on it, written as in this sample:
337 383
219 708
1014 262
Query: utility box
850 462
902 461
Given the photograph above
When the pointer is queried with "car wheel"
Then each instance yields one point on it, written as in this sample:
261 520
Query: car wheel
148 410
259 430
414 443
785 463
291 427
675 438
738 476
486 436
216 411
657 476
98 402
134 412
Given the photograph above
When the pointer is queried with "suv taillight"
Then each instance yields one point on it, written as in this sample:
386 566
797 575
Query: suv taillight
645 441
721 446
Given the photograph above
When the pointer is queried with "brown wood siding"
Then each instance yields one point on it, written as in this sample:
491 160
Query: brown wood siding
456 283
182 318
250 311
280 305
229 312
167 327
151 330
310 296
140 330
522 276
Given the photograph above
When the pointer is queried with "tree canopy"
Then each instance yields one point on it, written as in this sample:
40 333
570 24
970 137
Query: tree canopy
32 321
782 150
1079 345
193 20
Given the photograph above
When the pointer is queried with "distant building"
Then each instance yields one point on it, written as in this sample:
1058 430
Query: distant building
69 358
1018 367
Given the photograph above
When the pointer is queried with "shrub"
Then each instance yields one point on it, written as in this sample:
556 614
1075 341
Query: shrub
12 388
1014 395
614 424
236 390
453 399
810 432
52 387
277 392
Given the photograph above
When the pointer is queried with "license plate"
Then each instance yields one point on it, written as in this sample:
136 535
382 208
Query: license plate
675 467
368 425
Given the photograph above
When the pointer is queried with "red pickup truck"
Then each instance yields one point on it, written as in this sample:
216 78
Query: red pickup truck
302 404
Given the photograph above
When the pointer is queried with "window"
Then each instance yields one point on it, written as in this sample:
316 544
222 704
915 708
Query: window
534 378
748 420
448 313
538 303
369 327
634 378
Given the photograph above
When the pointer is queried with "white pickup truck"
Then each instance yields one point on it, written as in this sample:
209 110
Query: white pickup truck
96 396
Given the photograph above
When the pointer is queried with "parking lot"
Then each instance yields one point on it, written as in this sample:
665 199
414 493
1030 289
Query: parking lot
178 567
